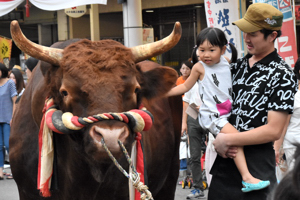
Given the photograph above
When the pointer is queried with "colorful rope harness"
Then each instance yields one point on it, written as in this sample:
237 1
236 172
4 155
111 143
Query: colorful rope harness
65 123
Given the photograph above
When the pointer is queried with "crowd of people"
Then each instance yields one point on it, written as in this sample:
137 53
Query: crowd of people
12 86
249 105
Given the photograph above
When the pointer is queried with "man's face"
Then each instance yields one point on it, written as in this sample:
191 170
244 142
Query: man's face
257 45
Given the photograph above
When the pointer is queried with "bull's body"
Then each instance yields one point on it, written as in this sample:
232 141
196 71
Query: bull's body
83 169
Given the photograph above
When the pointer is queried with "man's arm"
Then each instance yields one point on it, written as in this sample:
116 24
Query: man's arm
184 118
260 135
278 143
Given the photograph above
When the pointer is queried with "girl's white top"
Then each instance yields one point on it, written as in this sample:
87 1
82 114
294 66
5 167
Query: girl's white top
215 91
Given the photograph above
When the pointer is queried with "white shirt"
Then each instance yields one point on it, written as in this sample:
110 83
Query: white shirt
293 131
193 96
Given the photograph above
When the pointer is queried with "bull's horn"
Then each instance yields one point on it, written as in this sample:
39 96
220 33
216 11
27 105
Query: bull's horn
47 54
146 51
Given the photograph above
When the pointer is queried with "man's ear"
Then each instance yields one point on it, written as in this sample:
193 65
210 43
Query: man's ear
273 36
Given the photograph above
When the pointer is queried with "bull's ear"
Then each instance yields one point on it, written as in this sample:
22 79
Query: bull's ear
156 80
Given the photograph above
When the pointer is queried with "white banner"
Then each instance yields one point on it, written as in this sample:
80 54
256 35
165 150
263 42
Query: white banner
7 6
221 14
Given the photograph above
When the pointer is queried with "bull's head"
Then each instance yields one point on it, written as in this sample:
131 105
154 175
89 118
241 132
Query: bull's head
88 78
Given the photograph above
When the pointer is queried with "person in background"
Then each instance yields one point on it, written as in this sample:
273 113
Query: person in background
291 133
289 186
185 71
30 64
8 96
17 67
191 104
263 88
17 77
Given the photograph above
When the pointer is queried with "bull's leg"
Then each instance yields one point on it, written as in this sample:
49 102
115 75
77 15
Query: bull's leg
168 189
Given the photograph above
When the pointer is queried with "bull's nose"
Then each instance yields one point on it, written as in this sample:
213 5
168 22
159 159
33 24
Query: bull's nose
110 136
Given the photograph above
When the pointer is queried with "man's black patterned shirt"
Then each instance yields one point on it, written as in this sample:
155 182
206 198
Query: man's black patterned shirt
269 85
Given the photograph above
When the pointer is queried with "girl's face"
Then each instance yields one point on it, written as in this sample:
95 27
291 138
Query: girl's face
209 54
12 77
185 71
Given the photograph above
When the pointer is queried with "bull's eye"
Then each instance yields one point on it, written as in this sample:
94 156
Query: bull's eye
64 93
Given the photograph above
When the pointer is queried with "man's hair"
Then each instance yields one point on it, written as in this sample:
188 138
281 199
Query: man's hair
268 32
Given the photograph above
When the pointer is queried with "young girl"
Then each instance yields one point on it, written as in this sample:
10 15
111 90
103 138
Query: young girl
8 96
18 79
215 87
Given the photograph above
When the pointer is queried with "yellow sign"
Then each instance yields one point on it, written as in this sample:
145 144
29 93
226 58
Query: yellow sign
5 49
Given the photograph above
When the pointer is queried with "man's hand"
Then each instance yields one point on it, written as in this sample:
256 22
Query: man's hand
222 148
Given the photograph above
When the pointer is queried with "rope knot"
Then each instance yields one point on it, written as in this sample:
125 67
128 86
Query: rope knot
138 136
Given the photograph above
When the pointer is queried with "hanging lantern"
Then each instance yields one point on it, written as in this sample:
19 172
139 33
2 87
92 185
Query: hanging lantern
27 6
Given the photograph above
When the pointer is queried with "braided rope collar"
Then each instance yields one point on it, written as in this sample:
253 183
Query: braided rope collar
66 123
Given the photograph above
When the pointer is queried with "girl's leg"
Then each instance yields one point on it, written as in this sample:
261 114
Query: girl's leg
1 150
240 160
6 134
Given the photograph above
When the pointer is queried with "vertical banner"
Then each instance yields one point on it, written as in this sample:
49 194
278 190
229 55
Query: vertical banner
297 12
221 14
5 50
286 44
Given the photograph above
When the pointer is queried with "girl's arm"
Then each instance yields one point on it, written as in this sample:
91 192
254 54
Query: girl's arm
14 106
197 70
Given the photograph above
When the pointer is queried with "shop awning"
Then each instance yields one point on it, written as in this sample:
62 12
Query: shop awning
7 6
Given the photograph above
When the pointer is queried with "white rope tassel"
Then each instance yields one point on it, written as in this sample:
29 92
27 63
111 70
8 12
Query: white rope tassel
143 189
134 180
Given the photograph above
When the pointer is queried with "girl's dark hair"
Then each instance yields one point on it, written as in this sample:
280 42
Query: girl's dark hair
4 71
297 68
19 80
233 53
188 63
216 37
213 35
194 56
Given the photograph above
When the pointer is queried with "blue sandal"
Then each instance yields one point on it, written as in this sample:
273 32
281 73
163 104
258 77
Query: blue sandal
248 187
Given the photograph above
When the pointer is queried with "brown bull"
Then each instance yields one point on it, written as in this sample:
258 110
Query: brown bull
88 78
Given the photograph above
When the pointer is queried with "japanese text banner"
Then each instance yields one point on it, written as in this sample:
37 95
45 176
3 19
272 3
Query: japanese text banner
221 14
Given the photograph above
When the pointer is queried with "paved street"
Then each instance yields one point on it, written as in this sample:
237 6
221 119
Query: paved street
9 191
